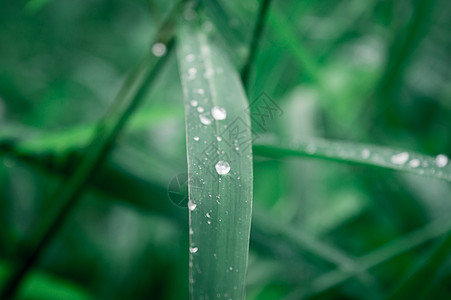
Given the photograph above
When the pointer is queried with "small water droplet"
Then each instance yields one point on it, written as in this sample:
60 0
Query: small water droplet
193 249
201 91
222 167
208 215
208 222
366 153
191 231
204 120
191 205
190 57
196 138
400 158
311 149
200 109
219 138
194 103
414 163
218 113
441 160
158 49
192 71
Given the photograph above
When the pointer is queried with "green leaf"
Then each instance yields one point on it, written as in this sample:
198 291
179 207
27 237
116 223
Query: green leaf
376 257
356 153
316 247
425 274
41 285
219 204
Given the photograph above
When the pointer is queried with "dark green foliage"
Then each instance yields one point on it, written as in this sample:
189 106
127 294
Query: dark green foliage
340 75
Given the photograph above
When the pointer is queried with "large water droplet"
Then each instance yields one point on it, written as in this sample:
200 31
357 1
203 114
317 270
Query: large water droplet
204 120
441 160
222 167
159 49
218 113
193 249
191 205
400 158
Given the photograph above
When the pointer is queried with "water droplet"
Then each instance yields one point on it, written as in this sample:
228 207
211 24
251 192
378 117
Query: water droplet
192 71
191 205
400 158
208 222
222 167
441 160
159 49
414 163
311 149
194 103
193 249
191 231
201 91
190 57
366 153
204 120
200 109
208 215
219 138
196 138
218 113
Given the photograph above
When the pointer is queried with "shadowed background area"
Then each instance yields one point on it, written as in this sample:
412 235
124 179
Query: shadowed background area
366 71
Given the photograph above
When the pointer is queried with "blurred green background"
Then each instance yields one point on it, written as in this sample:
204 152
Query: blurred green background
369 71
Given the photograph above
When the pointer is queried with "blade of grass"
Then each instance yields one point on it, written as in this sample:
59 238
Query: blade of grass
316 247
66 197
219 168
356 153
256 36
381 255
425 274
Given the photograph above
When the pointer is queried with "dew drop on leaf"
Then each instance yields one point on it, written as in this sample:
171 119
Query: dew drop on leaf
192 71
196 138
158 49
414 163
400 158
193 103
193 249
204 120
190 57
222 167
366 153
191 205
218 113
441 160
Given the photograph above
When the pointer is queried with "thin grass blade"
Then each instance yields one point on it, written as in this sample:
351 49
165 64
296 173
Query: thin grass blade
357 153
